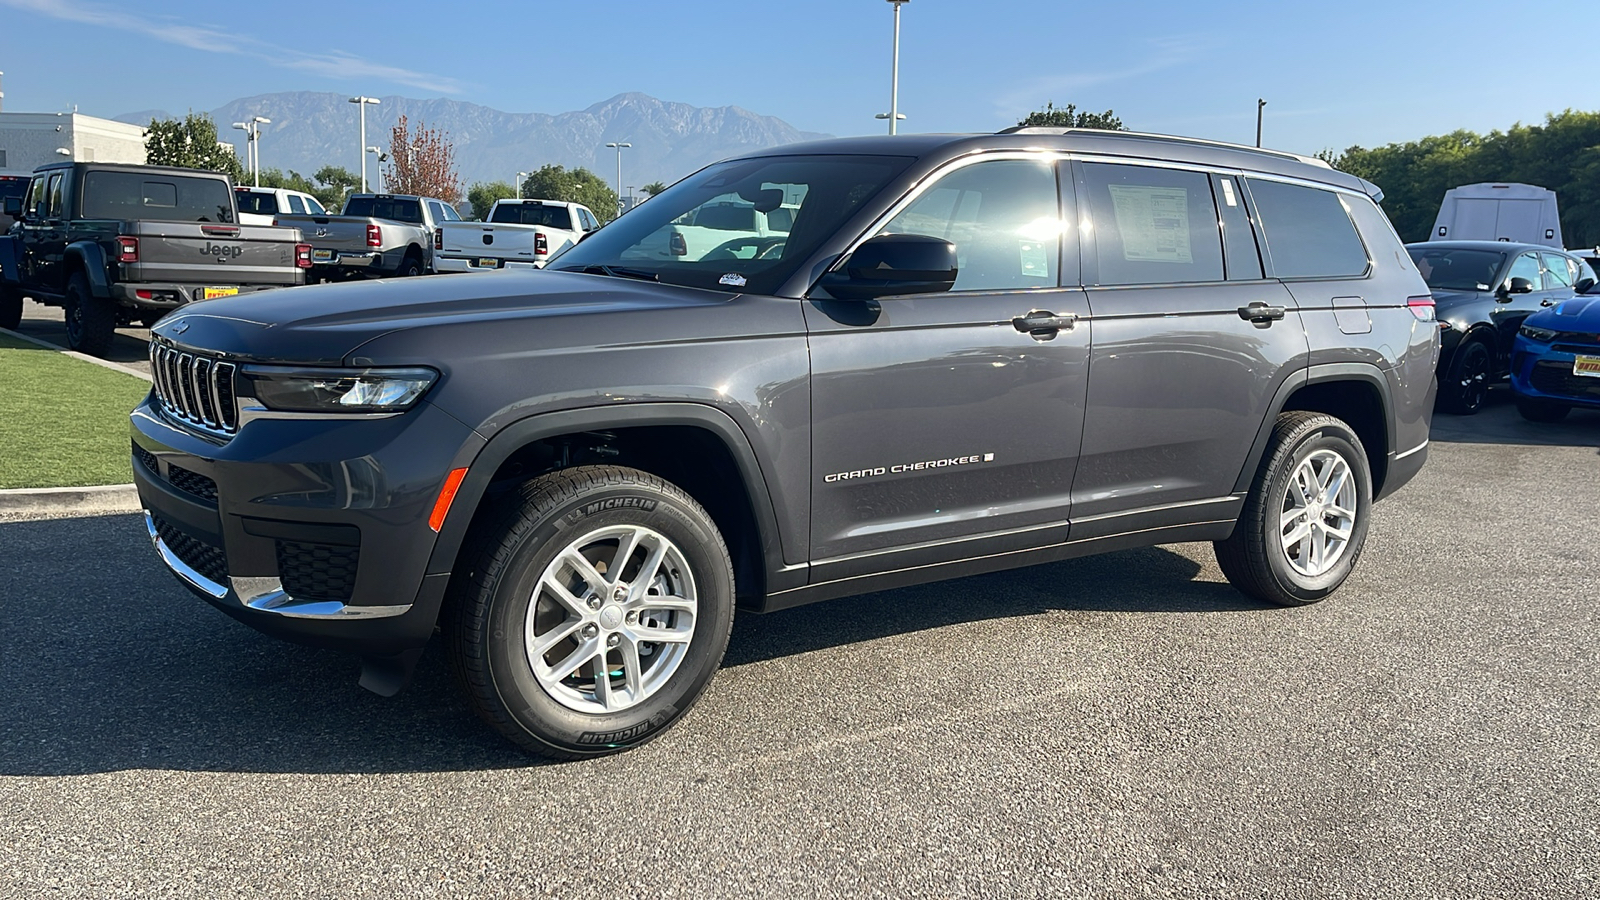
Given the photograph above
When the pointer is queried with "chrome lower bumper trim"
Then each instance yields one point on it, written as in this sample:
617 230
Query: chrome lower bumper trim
264 594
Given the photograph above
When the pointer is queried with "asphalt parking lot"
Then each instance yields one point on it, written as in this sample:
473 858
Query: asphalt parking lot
1119 726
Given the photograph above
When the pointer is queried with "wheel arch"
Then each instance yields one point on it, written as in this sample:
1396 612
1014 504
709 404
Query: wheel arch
699 448
90 258
1356 393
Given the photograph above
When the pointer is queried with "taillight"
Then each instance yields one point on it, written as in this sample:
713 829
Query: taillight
676 245
1421 307
374 236
541 246
127 250
302 255
438 239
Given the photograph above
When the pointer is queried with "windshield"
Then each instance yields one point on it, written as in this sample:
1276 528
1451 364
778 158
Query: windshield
394 209
747 223
152 197
1456 269
532 214
262 204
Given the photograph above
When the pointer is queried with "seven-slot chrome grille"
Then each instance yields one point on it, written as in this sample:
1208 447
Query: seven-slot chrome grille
195 390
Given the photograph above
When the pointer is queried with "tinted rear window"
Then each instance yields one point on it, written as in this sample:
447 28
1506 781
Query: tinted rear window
727 218
532 214
160 198
392 208
1309 233
257 204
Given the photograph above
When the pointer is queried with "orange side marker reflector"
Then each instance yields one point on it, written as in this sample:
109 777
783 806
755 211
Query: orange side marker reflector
447 494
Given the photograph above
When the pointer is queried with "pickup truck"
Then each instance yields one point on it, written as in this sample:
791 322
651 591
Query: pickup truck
727 228
261 206
377 235
520 234
574 476
119 244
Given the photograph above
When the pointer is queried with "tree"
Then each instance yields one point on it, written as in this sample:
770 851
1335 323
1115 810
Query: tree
423 164
329 185
653 188
190 143
576 186
483 194
1069 117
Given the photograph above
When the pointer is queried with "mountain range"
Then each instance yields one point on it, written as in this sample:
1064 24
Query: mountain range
310 130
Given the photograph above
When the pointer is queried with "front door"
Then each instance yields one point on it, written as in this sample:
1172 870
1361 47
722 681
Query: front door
942 428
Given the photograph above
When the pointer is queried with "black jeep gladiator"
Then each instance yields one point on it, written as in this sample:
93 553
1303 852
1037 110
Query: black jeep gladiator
117 244
969 353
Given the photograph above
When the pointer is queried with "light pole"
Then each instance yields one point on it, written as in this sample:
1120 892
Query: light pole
520 176
1260 104
382 158
252 148
619 173
362 102
893 115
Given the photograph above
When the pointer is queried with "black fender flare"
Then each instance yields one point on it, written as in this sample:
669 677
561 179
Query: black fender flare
1318 374
90 257
519 434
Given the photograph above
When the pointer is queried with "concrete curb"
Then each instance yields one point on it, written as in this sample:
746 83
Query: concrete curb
116 367
78 501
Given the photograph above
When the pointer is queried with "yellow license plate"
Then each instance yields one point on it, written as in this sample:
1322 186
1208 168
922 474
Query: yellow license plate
322 256
212 293
488 263
1586 365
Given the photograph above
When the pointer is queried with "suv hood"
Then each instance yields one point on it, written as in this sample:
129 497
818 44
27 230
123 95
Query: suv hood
323 324
1580 314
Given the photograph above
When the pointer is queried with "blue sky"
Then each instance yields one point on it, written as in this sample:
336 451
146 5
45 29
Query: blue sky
1334 74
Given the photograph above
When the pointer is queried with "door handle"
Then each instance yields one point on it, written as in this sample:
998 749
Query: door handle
1547 302
1038 322
1261 312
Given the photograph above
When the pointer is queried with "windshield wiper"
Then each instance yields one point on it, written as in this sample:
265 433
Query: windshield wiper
620 272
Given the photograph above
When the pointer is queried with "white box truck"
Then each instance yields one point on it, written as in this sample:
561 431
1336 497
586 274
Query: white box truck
1520 213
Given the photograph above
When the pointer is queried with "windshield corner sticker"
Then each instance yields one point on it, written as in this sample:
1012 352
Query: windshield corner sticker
732 279
903 468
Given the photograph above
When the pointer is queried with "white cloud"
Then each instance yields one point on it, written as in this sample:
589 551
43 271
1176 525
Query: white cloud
213 40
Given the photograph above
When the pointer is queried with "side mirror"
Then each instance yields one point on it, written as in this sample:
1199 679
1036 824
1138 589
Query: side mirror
1516 285
1584 285
13 207
895 264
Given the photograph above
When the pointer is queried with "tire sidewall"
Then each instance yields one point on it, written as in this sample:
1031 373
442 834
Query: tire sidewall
1466 400
1324 436
525 701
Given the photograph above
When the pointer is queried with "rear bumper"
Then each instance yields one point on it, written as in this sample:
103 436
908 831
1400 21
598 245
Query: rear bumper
443 263
310 531
171 295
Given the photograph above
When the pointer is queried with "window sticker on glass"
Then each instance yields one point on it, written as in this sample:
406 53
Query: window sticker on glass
1227 192
1034 262
1154 222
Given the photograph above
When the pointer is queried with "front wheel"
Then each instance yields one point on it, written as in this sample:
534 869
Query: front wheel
1305 521
592 608
1463 390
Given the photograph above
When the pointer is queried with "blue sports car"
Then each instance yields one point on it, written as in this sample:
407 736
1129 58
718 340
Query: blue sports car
1555 364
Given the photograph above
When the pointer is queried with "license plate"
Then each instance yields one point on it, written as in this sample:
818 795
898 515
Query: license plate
488 263
212 293
1586 365
322 256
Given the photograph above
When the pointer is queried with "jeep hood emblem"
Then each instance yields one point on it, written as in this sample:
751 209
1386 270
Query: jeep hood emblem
180 326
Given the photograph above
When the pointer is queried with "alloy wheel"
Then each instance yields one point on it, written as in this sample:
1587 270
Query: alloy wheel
1318 514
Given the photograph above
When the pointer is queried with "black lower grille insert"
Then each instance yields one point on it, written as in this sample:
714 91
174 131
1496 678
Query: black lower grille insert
204 557
147 458
192 483
311 571
1558 378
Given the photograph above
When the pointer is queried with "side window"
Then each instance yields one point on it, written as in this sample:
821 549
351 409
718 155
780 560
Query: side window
1004 218
1238 234
36 200
1308 230
1153 226
435 211
590 223
54 209
296 206
313 207
1526 266
450 214
1556 274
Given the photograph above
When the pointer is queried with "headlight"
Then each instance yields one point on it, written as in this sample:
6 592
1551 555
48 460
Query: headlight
1542 335
337 390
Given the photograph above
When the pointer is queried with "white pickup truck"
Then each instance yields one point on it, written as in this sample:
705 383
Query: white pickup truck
519 234
731 229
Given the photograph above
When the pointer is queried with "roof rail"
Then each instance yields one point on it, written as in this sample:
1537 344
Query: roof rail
1148 136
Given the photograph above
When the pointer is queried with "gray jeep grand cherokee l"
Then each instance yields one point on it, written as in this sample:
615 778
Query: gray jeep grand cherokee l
970 353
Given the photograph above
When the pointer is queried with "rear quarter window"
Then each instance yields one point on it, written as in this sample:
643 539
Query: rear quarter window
1308 231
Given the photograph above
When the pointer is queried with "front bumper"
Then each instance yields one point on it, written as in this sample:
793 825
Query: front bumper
1545 372
309 530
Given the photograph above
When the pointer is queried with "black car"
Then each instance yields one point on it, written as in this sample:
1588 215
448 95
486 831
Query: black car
576 473
1482 291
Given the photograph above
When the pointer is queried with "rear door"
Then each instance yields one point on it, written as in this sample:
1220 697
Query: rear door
50 235
1180 377
941 430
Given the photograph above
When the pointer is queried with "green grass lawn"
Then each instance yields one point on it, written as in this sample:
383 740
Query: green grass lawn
63 422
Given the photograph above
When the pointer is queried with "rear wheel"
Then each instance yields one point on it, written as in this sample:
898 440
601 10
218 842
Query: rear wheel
91 320
10 307
1463 391
410 267
1535 410
591 610
1305 521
